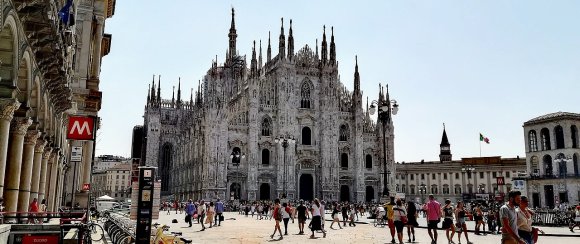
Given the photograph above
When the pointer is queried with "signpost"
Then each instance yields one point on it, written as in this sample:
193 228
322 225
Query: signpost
145 204
500 181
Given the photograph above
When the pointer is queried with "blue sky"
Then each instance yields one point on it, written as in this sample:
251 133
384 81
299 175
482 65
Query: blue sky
477 66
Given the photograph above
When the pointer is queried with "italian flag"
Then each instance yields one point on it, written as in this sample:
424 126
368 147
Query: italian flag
483 138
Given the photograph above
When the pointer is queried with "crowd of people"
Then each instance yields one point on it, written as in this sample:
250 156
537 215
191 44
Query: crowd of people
513 220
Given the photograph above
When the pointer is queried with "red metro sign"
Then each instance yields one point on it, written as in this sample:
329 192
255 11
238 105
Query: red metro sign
81 128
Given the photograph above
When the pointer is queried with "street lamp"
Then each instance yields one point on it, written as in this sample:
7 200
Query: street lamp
285 140
236 157
468 169
386 108
423 191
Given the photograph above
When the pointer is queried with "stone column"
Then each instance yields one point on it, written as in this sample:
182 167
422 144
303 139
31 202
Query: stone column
7 108
26 171
96 65
53 179
60 184
87 161
13 169
42 177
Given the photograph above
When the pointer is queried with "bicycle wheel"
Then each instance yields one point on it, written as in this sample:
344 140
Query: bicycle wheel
96 232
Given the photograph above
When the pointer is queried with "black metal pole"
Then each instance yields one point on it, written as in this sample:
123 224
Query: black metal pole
385 184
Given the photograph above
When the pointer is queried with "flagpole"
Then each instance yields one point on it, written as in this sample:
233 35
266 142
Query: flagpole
480 148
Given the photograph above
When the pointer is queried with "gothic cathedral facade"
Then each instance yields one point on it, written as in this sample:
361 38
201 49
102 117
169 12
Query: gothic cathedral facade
286 127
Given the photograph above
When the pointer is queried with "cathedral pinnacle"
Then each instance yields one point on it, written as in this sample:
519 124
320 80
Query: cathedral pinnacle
148 94
260 57
356 76
324 53
316 52
254 62
232 36
332 47
290 43
153 90
159 89
282 41
179 92
173 97
269 51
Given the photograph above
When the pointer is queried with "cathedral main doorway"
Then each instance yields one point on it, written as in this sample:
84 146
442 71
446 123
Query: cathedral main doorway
265 191
344 193
370 193
306 187
235 190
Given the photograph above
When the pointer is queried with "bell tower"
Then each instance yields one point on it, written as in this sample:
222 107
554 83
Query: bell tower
445 148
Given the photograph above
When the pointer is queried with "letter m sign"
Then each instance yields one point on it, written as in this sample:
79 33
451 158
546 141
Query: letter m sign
500 181
81 128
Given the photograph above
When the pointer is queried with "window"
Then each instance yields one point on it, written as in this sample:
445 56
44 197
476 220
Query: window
117 177
545 134
494 174
507 174
433 189
265 157
548 169
574 135
344 132
456 176
266 127
422 176
397 188
559 137
468 175
457 189
444 176
412 176
306 136
305 94
344 160
433 176
412 189
481 174
533 141
369 161
576 166
403 189
445 189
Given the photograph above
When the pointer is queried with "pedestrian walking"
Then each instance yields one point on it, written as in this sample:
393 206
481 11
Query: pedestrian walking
389 207
219 211
351 213
460 225
302 212
478 217
411 219
433 210
210 214
33 211
189 211
277 213
201 211
525 230
285 216
315 223
334 215
508 216
448 225
399 217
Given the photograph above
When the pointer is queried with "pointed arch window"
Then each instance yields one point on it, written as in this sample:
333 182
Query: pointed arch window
545 134
305 94
369 161
533 141
265 157
559 137
344 133
574 135
306 136
266 127
344 160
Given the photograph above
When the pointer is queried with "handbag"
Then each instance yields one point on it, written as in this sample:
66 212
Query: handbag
221 218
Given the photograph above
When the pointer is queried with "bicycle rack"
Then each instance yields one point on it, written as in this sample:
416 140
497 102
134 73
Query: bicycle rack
121 229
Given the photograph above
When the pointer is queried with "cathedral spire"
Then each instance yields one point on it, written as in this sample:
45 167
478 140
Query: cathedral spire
316 52
356 75
191 98
290 43
260 57
332 47
159 89
254 62
173 98
324 46
232 35
179 90
282 41
148 94
269 50
153 90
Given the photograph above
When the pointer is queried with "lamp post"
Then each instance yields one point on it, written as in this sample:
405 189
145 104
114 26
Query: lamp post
386 108
468 169
422 190
236 157
284 140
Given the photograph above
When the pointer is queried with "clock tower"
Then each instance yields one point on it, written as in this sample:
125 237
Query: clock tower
445 148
